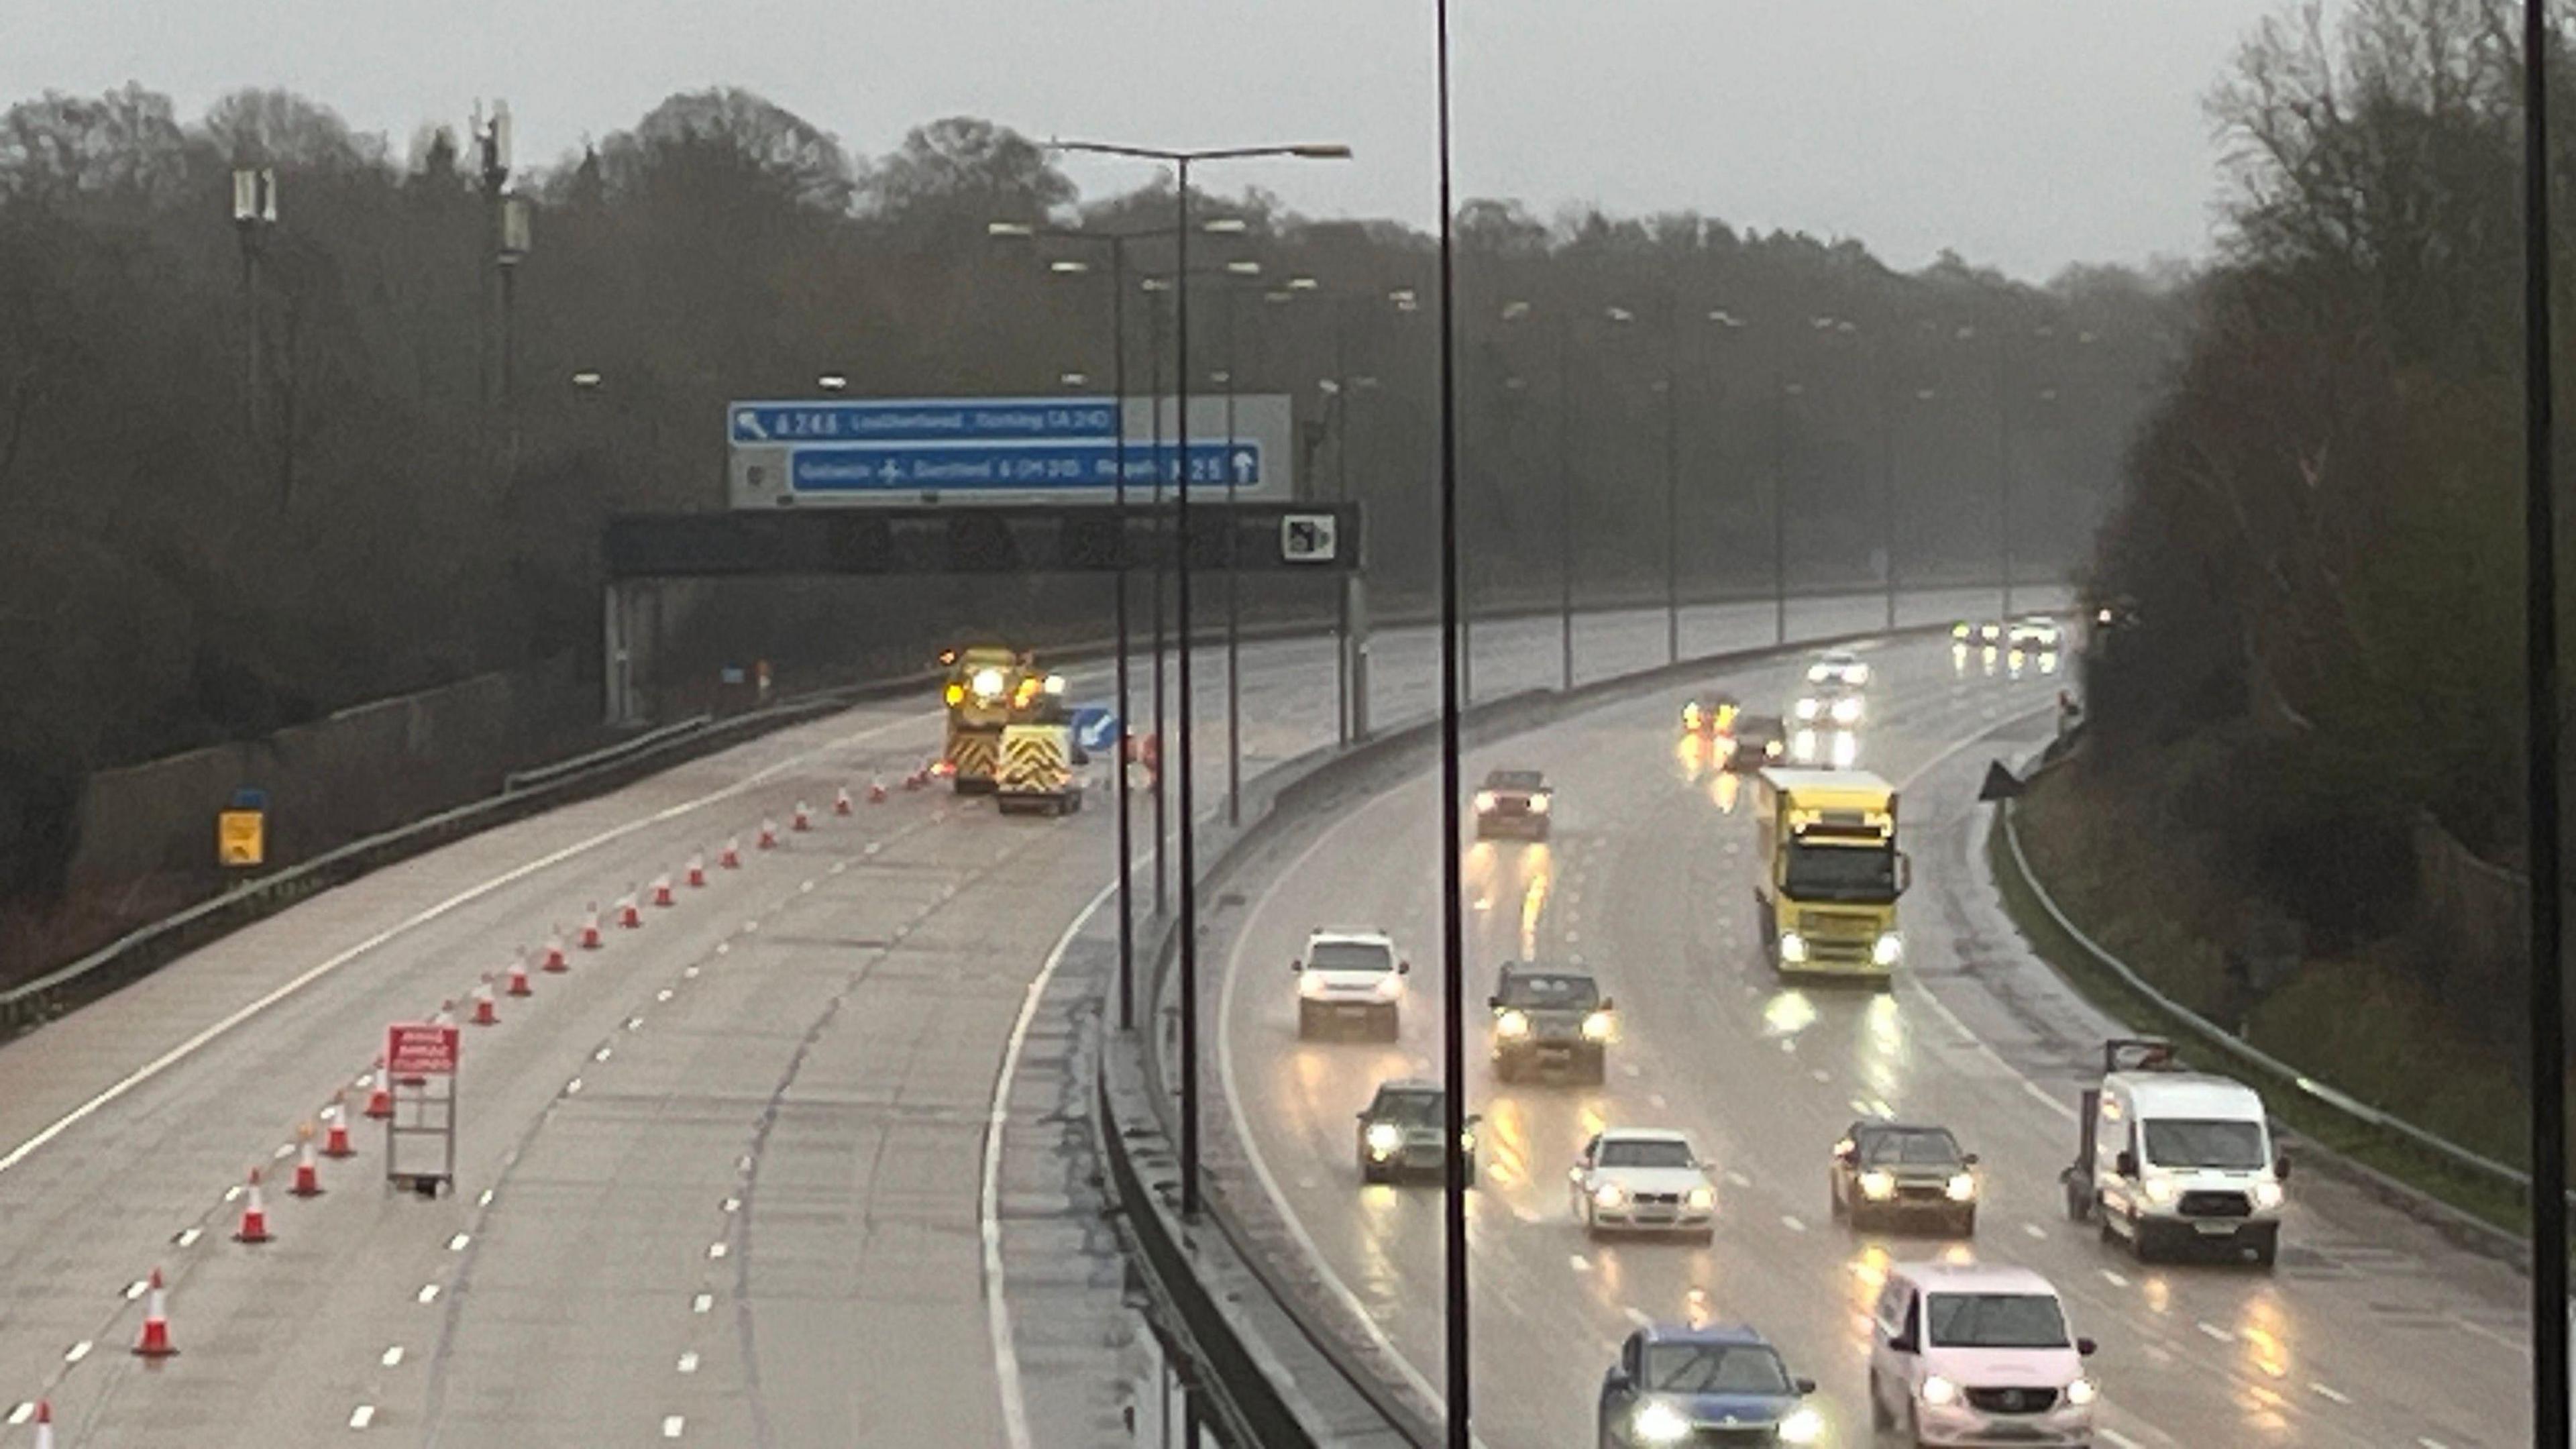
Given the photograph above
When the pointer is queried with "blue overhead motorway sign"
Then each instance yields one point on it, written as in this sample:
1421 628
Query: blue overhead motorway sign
922 420
1038 467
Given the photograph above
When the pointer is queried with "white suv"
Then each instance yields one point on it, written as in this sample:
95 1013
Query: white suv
1350 976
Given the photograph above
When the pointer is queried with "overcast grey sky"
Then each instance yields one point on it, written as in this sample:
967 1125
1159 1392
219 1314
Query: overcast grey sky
2025 133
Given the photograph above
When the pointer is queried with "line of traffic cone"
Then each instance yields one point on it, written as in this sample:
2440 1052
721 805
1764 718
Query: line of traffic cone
335 1128
803 819
697 871
876 790
487 1012
590 929
44 1425
841 800
519 979
730 858
662 890
154 1342
768 839
555 959
380 1096
254 1218
308 1173
629 915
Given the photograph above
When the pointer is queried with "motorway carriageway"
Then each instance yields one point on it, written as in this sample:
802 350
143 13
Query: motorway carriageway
2374 1331
724 1182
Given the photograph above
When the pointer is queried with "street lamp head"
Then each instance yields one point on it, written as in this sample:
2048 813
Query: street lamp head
1321 151
831 382
1619 314
1221 377
1244 267
585 379
1068 266
1846 327
1303 284
1156 284
1009 229
1924 394
1225 226
1724 318
1329 387
1074 379
1515 311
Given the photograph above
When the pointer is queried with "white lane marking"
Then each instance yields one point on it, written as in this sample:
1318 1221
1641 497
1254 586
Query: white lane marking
484 1199
2489 1334
733 1204
361 1416
1738 1179
78 1351
137 1289
457 1244
26 1410
690 974
188 1237
988 1203
702 1303
2212 1331
1820 1074
2116 1439
722 947
807 886
2329 1393
393 1357
233 1193
636 1023
428 1293
222 1025
1578 1263
2117 1281
1792 1224
672 1425
2420 1442
663 995
716 1249
573 1087
1639 1316
600 1055
2034 1230
689 1362
284 1151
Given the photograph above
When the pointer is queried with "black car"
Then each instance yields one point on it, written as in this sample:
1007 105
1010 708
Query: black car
1761 740
1401 1132
1550 1016
1899 1172
1514 802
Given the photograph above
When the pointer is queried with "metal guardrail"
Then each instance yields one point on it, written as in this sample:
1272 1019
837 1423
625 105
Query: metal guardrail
2240 1051
528 779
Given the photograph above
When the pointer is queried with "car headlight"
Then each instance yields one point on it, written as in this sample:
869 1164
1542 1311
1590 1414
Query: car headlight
1539 803
1659 1423
956 695
1959 631
1384 1138
1963 1187
2267 1195
988 682
1513 1024
1803 1426
1857 674
1484 802
1467 1140
1888 949
1596 1027
1702 1198
1938 1391
1610 1195
2082 1393
1793 947
1993 631
1311 985
1389 986
1877 1185
1055 684
1846 750
1847 711
1807 708
1690 716
2161 1191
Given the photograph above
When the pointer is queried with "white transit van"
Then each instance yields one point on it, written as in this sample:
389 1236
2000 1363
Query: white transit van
2174 1162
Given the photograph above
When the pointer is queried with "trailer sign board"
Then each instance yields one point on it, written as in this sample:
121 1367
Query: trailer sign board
873 452
420 1049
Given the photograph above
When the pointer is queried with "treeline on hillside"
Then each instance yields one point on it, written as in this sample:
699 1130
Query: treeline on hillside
253 478
2321 532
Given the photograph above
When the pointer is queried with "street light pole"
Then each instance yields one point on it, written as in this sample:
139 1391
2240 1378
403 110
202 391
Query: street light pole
1565 498
1453 936
254 214
1781 392
1672 491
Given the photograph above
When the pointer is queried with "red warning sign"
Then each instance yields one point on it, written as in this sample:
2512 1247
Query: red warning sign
420 1049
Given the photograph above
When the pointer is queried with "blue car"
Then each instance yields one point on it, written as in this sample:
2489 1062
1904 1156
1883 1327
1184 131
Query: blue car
1723 1385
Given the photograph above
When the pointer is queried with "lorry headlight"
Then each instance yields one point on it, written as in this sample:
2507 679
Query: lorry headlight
1610 1195
1939 1392
1702 1198
2267 1195
988 682
1793 947
2082 1393
1959 630
1055 684
1847 711
1963 1187
1857 674
1803 1426
1877 1186
1484 802
1383 1139
1659 1423
2161 1191
1538 804
1512 1025
1846 750
1804 746
1887 950
1807 709
1467 1140
1596 1027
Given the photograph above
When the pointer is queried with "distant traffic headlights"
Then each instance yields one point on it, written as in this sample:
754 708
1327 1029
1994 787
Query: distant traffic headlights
1803 1426
1887 950
1793 947
1512 1025
2081 1393
1963 1187
1385 1139
1484 802
2267 1196
1610 1195
1701 1198
1877 1185
1659 1423
1597 1026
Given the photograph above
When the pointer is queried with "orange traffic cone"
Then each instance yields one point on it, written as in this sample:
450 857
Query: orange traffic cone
555 959
444 1016
697 871
380 1099
519 979
661 890
841 800
768 835
731 856
155 1342
335 1129
803 819
487 1012
914 781
254 1219
308 1173
876 790
590 929
44 1425
629 915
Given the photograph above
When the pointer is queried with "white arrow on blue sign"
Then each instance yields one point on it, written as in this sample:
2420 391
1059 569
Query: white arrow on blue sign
1094 728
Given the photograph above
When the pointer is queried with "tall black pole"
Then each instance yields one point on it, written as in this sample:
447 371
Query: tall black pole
1779 509
1453 934
2549 1329
2003 465
1126 821
1341 494
1887 476
1565 500
1672 491
1187 867
1233 594
1162 552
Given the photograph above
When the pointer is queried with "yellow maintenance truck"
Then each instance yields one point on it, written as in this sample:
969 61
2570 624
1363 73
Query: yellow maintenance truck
1039 773
990 688
1831 873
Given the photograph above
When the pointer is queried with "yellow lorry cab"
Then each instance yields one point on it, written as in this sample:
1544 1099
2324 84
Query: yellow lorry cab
1830 873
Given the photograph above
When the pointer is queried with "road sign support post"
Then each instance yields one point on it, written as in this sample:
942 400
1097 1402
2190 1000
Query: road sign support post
1355 649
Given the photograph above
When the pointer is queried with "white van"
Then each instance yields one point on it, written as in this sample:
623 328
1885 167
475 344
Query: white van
2182 1162
1971 1354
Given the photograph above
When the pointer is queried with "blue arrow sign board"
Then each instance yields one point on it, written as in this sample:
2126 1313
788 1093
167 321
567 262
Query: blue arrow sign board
1094 728
923 420
1035 467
